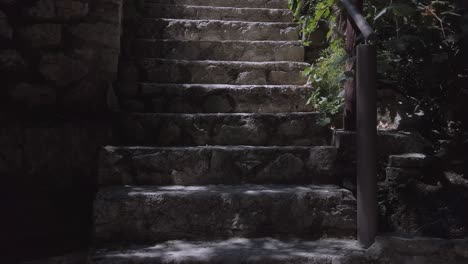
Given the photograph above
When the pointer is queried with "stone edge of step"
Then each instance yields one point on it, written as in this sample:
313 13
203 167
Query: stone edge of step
225 63
112 148
267 42
149 88
252 115
218 7
223 188
282 3
242 248
201 21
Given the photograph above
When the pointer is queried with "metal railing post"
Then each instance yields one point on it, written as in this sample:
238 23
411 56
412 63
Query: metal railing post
366 125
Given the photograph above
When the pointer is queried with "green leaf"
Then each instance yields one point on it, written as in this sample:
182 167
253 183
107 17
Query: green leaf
325 121
381 13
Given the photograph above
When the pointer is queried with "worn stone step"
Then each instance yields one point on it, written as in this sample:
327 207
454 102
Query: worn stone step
217 50
238 250
153 214
215 98
282 4
266 129
216 165
214 30
217 13
223 72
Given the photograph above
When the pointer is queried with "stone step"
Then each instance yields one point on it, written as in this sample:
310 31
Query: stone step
216 165
238 250
213 30
213 98
216 50
281 4
223 72
266 129
154 214
217 13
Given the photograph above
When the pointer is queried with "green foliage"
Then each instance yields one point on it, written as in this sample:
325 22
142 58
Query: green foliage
327 73
312 13
420 47
419 44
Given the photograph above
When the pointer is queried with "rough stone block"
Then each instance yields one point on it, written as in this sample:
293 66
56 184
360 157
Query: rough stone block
42 9
222 72
278 4
33 95
6 31
8 2
102 62
61 69
101 33
283 77
71 8
218 50
128 80
215 165
251 77
133 105
388 143
217 13
216 98
151 214
58 9
107 63
418 250
409 160
109 11
403 175
85 96
211 30
129 90
299 129
41 35
12 63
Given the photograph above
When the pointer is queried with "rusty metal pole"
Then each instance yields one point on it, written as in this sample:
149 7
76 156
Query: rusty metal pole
366 110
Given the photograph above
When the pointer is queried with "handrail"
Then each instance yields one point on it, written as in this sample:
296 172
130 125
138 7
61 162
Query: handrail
365 118
358 19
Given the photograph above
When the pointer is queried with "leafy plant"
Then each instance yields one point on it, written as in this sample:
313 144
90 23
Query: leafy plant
419 52
312 14
327 75
327 72
419 55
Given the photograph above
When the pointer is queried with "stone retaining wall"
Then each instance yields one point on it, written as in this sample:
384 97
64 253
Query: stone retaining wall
58 55
58 59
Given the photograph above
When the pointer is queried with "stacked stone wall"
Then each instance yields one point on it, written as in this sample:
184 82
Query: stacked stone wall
58 60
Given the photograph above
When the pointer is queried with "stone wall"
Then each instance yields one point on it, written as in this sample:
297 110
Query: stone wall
417 198
58 59
58 55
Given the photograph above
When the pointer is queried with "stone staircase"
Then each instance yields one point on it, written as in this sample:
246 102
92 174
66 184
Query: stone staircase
218 158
